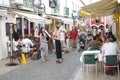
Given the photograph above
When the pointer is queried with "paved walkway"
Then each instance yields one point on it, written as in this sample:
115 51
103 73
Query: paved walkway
70 69
91 75
36 70
4 69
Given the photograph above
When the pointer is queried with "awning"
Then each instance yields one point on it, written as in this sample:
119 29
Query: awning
101 8
65 20
85 14
33 17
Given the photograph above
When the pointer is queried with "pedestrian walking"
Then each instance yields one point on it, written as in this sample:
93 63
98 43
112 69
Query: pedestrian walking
43 45
73 37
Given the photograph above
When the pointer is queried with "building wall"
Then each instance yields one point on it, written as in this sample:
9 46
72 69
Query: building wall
4 2
10 18
71 4
3 39
0 39
48 9
62 6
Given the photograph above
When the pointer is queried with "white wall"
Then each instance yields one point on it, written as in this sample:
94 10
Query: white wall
4 2
11 18
62 5
3 39
48 9
0 40
70 5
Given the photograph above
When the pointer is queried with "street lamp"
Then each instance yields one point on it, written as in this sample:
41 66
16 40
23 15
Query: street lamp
11 63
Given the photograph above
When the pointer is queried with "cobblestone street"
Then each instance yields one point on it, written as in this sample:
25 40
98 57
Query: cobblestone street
36 70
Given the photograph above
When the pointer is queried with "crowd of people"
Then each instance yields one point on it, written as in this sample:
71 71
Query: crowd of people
89 38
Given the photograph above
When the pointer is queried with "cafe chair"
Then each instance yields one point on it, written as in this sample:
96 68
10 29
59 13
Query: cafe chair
89 61
111 61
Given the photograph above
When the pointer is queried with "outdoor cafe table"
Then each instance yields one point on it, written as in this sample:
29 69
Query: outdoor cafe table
96 52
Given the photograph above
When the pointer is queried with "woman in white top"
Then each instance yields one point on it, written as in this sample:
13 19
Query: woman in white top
43 45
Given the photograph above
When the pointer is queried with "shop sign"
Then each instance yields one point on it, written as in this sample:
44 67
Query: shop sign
52 3
74 15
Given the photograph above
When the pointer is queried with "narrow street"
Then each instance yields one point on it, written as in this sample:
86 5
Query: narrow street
36 70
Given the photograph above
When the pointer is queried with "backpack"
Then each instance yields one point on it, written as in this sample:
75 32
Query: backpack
82 36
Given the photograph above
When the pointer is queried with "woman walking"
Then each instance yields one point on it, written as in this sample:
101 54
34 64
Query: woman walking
43 45
57 43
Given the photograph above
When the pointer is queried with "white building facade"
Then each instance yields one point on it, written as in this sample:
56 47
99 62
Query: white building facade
3 14
62 4
64 8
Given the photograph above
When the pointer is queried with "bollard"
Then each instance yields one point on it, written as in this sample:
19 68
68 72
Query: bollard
23 59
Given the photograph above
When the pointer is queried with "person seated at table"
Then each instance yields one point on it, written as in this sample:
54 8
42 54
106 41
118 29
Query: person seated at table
109 48
20 39
89 39
26 45
36 45
95 44
15 50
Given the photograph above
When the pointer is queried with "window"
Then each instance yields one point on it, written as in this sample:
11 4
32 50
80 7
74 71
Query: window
66 11
27 3
57 9
25 26
19 25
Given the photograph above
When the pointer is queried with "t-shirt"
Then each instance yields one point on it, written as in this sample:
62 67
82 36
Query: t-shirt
26 43
73 34
110 48
62 33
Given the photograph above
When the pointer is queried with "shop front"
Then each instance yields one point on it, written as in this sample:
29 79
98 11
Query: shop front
28 21
22 21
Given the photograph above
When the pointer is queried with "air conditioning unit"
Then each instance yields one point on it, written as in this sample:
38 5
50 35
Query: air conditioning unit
16 2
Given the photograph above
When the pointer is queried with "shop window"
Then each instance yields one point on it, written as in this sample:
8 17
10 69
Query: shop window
25 26
32 28
8 28
19 25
